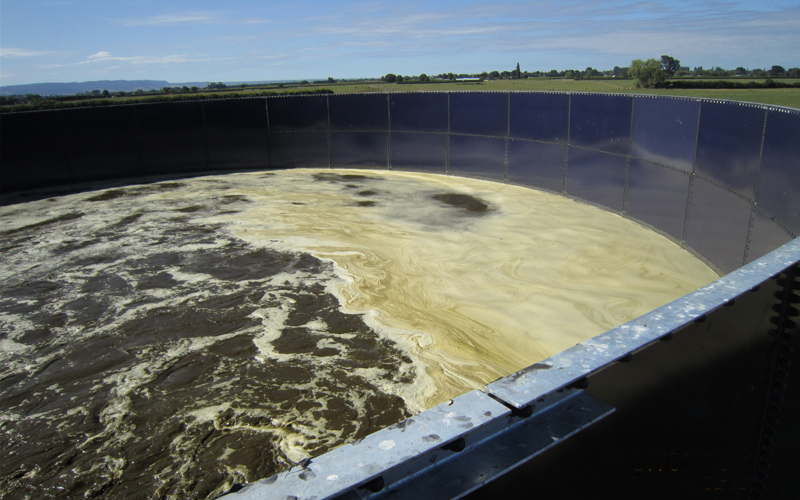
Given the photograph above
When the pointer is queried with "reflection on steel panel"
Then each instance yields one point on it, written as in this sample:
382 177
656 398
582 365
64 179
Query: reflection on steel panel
542 117
657 195
359 112
297 113
360 149
294 150
479 113
104 143
728 145
665 130
172 137
779 185
596 177
766 235
717 225
419 151
236 134
536 164
477 156
601 122
419 112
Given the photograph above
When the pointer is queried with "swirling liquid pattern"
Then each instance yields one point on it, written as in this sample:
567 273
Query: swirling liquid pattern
170 340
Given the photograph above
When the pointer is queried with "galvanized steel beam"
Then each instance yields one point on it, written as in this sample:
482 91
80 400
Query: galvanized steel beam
446 452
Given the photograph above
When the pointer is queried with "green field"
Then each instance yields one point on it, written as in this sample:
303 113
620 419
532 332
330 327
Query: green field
789 97
778 97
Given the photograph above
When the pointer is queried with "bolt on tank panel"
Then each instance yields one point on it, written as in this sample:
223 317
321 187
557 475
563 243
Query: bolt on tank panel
358 112
665 131
601 122
717 225
540 117
297 114
536 164
414 151
477 156
237 134
779 182
765 236
479 113
419 112
596 177
729 145
657 196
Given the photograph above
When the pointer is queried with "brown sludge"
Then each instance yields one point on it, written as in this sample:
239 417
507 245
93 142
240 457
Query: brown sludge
171 340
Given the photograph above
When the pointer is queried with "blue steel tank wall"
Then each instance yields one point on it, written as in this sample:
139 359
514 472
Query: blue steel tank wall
722 178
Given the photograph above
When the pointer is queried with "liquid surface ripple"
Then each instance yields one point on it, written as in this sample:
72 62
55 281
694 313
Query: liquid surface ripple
170 340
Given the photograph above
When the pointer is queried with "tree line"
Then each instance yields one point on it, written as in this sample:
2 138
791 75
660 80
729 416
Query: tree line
36 102
651 71
666 72
654 73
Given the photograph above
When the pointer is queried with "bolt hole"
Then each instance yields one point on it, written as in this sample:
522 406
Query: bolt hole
374 485
524 412
581 383
456 446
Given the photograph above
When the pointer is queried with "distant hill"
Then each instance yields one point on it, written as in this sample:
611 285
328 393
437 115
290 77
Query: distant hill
81 87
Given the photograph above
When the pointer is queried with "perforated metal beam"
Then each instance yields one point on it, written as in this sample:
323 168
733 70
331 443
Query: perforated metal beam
446 452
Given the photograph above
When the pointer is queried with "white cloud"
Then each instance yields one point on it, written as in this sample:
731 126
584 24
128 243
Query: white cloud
717 31
102 56
168 59
13 52
191 17
255 20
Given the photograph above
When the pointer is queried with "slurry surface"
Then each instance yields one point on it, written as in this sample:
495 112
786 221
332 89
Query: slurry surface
171 340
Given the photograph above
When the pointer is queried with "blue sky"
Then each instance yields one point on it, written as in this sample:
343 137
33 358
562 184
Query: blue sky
246 40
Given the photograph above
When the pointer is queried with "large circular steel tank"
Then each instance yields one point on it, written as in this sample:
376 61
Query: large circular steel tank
709 414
